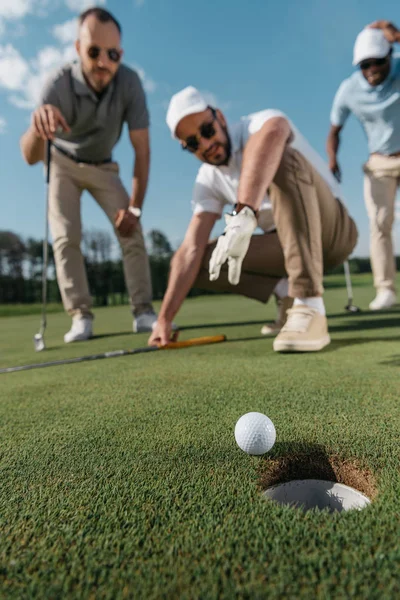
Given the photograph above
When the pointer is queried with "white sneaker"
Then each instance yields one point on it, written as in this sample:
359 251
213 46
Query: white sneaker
384 299
81 330
144 322
305 330
283 305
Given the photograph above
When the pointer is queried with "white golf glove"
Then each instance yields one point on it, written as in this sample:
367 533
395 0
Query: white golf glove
232 246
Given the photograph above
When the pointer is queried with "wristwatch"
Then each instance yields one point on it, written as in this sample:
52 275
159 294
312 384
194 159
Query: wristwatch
137 212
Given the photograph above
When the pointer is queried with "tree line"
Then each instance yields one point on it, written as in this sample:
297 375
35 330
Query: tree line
21 265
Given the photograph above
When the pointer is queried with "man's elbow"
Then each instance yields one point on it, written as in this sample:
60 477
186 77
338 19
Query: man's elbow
279 128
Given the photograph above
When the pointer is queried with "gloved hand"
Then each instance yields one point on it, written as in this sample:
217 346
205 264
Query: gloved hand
125 222
232 246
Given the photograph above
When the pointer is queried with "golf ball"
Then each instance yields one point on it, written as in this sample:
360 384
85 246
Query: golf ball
255 433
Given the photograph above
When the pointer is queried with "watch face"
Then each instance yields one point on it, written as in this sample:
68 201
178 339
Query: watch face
135 211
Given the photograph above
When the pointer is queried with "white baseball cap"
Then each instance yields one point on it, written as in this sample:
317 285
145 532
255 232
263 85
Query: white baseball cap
370 43
186 102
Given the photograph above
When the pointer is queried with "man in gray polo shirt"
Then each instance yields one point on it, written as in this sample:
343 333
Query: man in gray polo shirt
82 110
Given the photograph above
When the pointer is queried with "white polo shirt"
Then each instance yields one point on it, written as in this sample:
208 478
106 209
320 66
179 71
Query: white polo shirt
216 186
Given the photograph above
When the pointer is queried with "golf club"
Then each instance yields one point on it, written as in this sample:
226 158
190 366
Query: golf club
350 307
38 339
201 341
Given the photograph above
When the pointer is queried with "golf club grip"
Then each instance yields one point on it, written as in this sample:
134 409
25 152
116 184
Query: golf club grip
48 160
201 341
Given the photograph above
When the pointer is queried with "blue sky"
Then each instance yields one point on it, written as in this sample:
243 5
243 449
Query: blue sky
247 56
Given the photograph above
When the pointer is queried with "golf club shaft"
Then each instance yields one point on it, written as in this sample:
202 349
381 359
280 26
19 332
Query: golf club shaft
348 282
116 353
45 242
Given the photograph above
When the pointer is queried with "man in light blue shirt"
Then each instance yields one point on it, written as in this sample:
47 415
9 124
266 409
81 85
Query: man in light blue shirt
372 94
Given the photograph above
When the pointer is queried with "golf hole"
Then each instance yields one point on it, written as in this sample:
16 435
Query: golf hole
309 494
312 479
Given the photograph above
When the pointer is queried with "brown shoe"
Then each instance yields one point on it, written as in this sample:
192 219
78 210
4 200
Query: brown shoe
274 328
306 330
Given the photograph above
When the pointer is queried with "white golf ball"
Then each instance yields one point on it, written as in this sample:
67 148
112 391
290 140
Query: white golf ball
255 433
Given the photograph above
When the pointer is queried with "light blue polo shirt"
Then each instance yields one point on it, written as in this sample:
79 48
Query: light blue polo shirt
377 108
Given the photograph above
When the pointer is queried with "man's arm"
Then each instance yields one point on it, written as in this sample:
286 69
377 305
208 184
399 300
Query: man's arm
125 221
390 31
141 143
332 148
185 266
261 158
45 121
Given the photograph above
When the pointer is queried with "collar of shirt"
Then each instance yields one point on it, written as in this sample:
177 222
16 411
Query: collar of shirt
81 88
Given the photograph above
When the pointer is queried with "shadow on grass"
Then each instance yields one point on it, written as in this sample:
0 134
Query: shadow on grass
366 325
365 313
295 460
230 324
289 461
394 361
187 327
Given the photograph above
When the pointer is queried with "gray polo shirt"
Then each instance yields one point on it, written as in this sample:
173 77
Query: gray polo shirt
96 123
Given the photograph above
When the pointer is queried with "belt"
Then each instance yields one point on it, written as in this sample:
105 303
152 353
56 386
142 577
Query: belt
379 154
81 160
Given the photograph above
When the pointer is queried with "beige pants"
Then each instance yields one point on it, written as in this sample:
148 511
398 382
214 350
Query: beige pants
67 182
313 231
381 180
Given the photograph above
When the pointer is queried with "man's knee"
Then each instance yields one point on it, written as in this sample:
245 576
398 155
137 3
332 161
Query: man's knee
64 242
382 222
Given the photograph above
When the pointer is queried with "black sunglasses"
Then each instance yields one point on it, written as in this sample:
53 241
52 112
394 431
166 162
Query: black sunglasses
376 62
113 54
206 131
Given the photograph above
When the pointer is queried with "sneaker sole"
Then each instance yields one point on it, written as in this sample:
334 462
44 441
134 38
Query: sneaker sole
78 339
303 346
386 307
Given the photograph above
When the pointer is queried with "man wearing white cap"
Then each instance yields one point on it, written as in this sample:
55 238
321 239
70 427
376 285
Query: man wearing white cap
264 168
372 94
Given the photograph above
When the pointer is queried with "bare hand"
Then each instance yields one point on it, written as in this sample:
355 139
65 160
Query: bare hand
335 169
46 120
162 334
125 222
390 31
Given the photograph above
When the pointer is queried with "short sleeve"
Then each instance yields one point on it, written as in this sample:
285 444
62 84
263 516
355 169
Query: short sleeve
49 93
205 195
340 110
257 120
136 114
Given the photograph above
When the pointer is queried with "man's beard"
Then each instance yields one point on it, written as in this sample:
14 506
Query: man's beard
227 146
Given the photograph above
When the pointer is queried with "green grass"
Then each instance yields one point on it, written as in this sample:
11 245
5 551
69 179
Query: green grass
121 478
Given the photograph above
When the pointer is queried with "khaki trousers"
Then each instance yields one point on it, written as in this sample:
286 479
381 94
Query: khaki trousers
67 182
313 231
381 180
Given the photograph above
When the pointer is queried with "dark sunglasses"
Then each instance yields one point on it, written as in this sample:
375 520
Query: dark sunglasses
376 62
206 131
113 54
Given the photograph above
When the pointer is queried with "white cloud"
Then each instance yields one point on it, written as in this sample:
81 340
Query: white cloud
3 125
80 5
149 84
66 32
13 68
16 9
26 79
139 3
398 211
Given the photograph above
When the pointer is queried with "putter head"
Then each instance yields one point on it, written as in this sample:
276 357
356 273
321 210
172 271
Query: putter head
353 309
38 342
